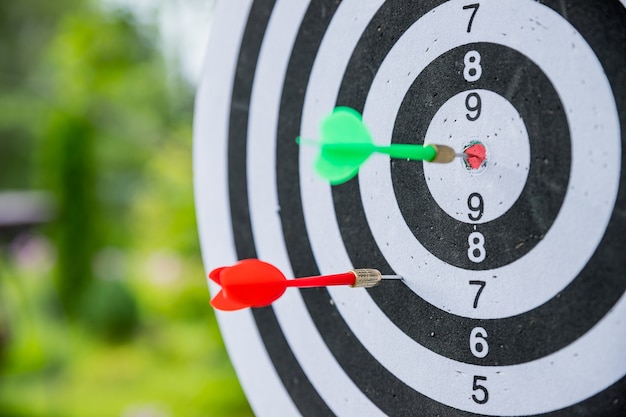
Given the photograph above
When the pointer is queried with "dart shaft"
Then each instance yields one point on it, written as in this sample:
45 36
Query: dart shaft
346 278
429 153
355 278
408 151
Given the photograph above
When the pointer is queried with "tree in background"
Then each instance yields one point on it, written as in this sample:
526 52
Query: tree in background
111 110
86 103
89 113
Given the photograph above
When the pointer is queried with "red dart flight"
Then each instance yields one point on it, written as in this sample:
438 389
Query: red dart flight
248 283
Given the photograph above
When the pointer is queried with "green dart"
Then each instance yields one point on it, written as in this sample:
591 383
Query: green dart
346 143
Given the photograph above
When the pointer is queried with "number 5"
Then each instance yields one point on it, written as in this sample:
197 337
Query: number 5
478 387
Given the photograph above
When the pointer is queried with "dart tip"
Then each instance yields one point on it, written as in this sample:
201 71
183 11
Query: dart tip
392 277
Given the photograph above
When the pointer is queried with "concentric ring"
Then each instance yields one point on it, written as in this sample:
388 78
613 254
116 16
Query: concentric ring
495 183
540 321
515 233
393 396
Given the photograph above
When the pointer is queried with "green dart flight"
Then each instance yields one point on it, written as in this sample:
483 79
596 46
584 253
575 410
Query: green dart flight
346 143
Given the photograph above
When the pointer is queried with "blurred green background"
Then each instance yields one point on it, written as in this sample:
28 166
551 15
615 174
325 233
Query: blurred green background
103 301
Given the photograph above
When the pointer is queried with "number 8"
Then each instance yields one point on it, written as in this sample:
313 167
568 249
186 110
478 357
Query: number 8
476 242
472 70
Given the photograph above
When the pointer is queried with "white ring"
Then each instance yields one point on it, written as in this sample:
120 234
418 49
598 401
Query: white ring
440 378
501 130
241 336
330 381
561 379
591 112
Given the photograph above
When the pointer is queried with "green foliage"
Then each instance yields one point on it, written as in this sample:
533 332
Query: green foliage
104 311
108 86
72 138
25 29
174 364
109 310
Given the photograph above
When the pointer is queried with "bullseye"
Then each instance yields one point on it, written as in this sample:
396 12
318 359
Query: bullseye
496 152
475 156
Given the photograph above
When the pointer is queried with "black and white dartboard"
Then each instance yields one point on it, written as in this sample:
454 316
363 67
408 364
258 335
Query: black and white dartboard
513 302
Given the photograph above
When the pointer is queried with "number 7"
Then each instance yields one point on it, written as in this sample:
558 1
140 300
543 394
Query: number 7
480 290
471 6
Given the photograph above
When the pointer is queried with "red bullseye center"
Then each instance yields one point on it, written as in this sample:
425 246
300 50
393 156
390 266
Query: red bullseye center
476 155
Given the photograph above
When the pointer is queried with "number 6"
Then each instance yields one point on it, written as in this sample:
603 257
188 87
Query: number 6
478 339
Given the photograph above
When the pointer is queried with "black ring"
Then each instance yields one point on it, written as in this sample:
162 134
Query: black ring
296 383
513 234
421 320
384 389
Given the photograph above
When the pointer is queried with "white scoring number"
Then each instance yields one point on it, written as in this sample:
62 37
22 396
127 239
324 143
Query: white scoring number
476 251
472 70
478 342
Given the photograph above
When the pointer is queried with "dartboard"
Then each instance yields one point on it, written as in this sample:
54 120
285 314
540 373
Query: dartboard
512 302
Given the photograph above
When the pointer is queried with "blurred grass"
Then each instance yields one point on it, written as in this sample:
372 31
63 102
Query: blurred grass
174 365
104 310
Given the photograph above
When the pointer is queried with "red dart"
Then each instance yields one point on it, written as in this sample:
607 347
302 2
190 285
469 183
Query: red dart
254 283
